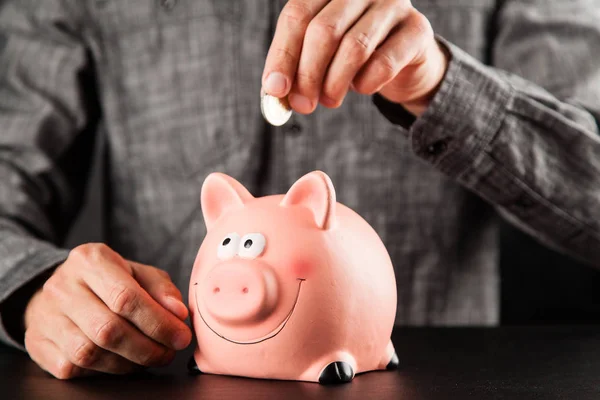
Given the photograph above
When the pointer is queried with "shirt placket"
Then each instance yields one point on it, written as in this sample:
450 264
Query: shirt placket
293 144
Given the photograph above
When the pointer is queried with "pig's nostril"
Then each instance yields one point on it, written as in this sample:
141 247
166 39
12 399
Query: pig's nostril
245 290
216 290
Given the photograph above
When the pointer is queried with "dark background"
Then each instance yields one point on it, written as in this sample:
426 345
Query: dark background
539 286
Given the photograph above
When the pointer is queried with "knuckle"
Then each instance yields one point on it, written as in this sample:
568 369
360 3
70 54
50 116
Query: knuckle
90 251
420 24
85 354
79 251
163 274
322 30
358 47
169 289
385 65
109 335
297 13
307 78
285 54
158 330
64 369
400 4
52 287
123 300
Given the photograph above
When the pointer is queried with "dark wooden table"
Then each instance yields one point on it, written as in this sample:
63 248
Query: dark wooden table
503 363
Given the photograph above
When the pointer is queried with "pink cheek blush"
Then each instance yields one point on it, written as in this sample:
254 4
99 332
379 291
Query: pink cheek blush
301 269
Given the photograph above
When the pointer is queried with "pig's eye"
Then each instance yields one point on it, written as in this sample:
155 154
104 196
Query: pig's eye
252 245
228 247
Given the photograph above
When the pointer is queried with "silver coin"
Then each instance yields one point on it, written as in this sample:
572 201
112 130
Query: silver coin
275 110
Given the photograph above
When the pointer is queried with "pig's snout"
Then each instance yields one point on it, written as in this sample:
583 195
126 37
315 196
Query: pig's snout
240 292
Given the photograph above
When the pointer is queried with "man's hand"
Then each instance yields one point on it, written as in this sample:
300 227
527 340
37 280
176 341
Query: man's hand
323 48
101 313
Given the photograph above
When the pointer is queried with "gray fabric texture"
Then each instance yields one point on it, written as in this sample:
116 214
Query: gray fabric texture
513 131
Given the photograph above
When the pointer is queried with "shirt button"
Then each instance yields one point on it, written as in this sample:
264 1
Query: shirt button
437 148
295 129
168 4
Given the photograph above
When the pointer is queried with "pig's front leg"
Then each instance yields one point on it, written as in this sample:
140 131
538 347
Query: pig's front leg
336 372
332 368
193 367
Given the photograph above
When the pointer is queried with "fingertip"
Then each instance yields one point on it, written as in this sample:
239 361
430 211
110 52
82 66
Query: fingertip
365 85
182 339
176 307
300 103
329 102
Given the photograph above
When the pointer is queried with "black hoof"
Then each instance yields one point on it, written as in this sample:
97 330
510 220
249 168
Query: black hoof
336 372
193 367
394 362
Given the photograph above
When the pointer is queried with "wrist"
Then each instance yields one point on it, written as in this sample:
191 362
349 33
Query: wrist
14 308
28 304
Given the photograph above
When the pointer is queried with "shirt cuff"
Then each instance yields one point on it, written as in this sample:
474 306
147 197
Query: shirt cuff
32 267
462 118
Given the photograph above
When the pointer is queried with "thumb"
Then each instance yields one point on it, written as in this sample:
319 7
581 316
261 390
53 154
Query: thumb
159 286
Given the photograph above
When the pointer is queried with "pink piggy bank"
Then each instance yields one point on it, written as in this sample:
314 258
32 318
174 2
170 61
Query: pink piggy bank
294 287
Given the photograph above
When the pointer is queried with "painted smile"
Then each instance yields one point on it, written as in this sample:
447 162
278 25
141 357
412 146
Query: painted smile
271 335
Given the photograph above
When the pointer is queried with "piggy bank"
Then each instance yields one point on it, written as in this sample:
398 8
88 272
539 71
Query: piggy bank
294 286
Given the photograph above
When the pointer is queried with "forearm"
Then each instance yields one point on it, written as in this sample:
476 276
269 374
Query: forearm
29 235
24 265
513 143
44 108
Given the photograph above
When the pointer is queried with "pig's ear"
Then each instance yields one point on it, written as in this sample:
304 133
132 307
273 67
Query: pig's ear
220 194
315 192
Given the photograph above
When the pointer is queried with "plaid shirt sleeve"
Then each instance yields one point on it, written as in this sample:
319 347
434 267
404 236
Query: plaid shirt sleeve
523 133
42 115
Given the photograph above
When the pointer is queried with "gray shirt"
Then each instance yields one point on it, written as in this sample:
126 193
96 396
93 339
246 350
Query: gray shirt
174 86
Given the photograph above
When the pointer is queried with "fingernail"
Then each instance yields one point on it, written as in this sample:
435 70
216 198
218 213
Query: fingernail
181 340
300 103
276 83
